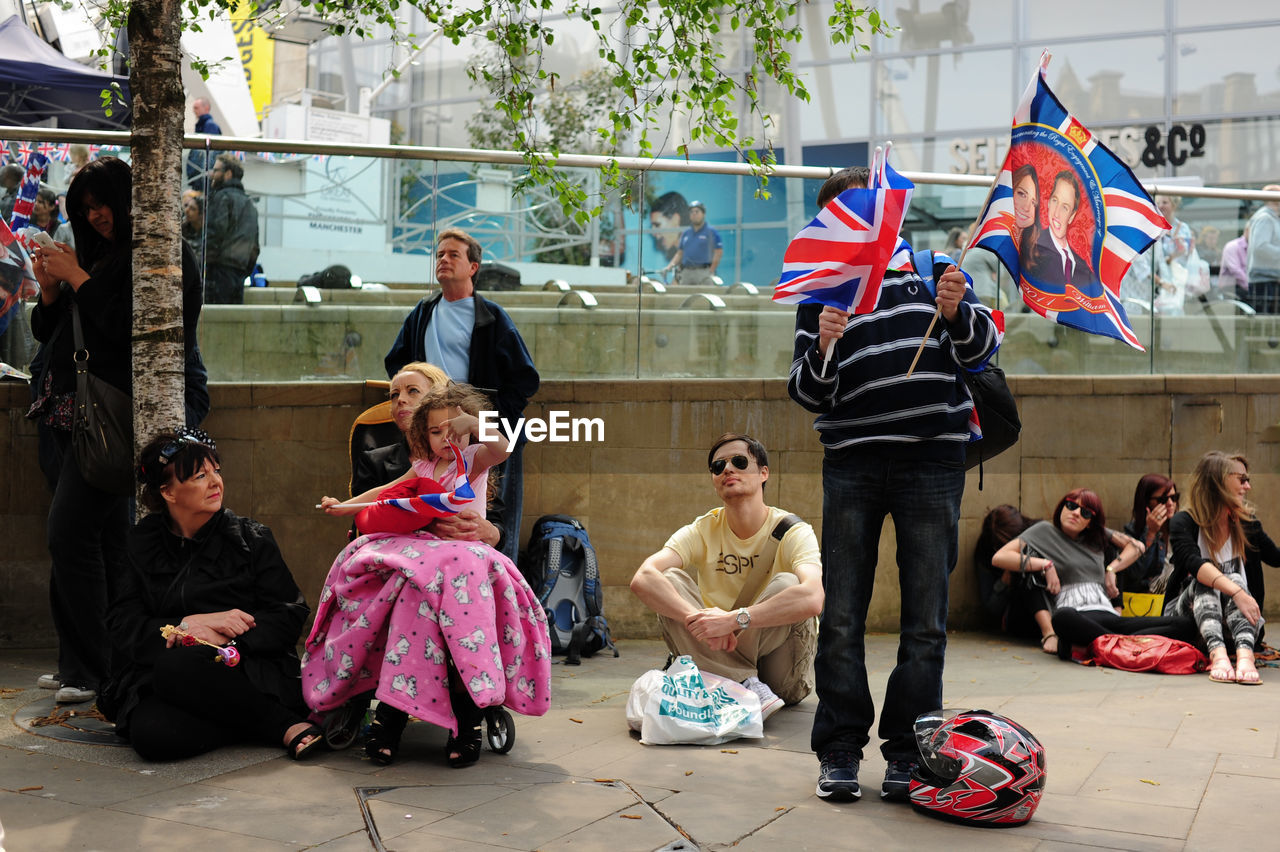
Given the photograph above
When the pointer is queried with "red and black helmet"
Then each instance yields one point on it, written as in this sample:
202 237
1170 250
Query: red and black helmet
977 767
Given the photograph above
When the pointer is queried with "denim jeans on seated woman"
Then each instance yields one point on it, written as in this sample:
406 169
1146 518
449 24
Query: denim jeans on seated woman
923 498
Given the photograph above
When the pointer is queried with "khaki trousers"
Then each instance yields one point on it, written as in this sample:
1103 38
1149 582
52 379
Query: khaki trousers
780 656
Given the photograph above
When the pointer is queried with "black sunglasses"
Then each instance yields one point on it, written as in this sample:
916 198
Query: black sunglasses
1168 498
1085 511
184 436
740 462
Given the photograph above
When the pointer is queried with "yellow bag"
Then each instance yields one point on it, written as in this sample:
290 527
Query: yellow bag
1139 604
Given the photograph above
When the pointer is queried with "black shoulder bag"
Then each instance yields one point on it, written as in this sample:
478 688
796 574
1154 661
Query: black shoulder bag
102 426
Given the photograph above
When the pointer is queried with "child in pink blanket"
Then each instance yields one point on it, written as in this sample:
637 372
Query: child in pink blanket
435 628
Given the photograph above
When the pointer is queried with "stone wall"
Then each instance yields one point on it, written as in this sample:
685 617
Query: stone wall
284 446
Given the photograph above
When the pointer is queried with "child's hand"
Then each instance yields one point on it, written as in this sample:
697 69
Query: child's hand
460 428
334 506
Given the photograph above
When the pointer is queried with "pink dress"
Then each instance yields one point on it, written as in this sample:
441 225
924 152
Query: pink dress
479 478
396 608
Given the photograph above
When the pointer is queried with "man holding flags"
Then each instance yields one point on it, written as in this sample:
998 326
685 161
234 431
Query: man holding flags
894 444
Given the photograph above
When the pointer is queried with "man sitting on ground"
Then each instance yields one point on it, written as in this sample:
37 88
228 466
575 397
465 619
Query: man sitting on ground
739 588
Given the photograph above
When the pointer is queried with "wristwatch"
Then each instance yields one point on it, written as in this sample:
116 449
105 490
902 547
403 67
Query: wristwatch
744 618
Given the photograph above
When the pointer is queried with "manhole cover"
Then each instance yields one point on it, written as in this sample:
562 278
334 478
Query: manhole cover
77 723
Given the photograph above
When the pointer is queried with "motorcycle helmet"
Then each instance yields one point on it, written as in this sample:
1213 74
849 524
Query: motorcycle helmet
977 767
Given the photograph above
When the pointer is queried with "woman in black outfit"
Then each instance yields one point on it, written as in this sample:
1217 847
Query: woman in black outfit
1155 499
86 526
220 578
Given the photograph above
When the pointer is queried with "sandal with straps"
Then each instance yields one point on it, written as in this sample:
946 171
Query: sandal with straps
464 749
1222 671
384 734
1249 676
1044 640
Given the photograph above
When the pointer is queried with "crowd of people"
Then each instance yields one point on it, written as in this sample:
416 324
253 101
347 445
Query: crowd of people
1192 562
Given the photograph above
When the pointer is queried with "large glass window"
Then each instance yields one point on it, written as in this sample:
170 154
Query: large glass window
1219 73
839 105
943 92
1105 81
1090 17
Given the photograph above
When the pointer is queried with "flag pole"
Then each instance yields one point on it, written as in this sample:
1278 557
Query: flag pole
959 265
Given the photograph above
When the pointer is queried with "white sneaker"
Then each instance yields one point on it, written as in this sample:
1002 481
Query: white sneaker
49 681
74 695
769 703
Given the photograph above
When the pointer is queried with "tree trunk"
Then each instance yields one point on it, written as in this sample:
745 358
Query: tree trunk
155 81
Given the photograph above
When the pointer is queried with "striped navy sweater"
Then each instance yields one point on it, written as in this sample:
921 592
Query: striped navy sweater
865 401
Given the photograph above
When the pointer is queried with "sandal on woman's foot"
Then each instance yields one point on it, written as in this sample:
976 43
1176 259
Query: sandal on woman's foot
464 749
1044 643
384 734
1247 676
299 747
1222 672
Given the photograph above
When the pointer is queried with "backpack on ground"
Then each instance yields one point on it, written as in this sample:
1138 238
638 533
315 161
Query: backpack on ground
560 566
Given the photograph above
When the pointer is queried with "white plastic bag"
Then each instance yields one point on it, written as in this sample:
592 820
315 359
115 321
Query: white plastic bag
686 706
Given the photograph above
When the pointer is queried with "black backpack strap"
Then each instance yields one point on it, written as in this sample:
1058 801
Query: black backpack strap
555 547
763 566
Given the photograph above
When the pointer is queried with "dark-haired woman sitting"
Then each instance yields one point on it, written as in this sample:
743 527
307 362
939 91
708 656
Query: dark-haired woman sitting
221 579
1068 551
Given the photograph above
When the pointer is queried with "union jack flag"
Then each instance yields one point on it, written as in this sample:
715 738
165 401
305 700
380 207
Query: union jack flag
64 153
840 258
438 503
48 150
1113 222
26 201
25 151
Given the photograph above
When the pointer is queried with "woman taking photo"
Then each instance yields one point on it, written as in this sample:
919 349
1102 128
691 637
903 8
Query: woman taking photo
86 526
1209 551
1068 551
221 579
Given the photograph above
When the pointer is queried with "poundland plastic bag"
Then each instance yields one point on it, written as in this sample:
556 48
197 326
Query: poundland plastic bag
685 706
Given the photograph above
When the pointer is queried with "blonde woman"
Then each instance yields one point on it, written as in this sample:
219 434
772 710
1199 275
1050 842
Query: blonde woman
1208 580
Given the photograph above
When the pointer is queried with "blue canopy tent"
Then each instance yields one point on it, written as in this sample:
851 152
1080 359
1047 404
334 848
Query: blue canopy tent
37 83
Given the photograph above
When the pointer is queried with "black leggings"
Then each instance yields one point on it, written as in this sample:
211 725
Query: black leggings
1081 628
197 705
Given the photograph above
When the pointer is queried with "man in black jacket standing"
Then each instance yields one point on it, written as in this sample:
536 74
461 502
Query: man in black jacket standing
474 341
231 241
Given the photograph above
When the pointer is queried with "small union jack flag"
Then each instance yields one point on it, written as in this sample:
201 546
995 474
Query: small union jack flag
25 151
48 150
840 258
27 192
63 154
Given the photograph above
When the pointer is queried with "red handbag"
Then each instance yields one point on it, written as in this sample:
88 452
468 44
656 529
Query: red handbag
1146 654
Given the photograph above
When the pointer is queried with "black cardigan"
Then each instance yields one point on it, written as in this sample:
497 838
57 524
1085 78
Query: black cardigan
232 563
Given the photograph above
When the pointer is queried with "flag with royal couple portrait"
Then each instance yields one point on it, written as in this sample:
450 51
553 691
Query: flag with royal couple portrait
1066 217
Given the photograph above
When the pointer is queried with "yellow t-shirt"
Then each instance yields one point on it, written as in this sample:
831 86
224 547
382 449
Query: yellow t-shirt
720 562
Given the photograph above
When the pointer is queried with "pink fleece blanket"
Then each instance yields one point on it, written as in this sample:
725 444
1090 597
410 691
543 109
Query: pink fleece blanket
395 608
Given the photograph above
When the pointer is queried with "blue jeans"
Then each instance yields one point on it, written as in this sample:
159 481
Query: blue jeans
923 498
511 488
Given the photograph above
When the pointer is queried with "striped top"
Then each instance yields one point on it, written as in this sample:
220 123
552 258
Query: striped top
865 400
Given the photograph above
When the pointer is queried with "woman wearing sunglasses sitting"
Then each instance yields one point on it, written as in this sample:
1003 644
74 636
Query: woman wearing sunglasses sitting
221 580
1210 543
1155 499
1068 550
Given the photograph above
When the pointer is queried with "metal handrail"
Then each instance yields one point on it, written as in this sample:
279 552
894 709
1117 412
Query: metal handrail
583 161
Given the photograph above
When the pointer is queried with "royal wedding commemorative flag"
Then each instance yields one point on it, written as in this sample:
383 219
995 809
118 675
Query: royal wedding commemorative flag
1066 217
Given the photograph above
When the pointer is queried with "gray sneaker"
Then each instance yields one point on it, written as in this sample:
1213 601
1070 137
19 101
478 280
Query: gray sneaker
769 703
74 695
838 780
49 681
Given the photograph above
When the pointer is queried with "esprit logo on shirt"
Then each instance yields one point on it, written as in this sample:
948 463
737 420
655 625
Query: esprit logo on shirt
732 563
